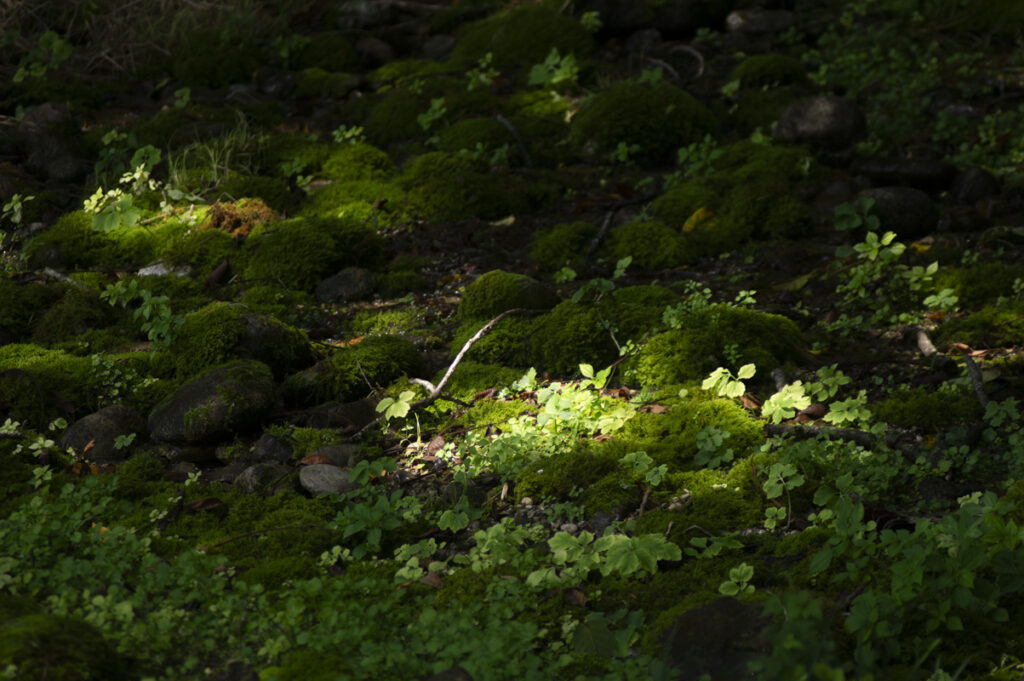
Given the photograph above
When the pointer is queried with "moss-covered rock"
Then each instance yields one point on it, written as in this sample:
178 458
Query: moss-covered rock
358 162
652 245
37 385
571 334
444 186
562 245
317 83
367 202
472 133
521 37
556 477
200 250
22 304
990 327
78 311
223 331
980 284
496 291
696 348
507 343
636 310
299 253
392 116
71 243
657 118
343 376
922 408
767 70
44 646
211 57
750 194
472 377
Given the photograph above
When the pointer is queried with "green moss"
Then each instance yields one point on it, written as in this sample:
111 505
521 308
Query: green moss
400 320
378 360
283 150
367 202
767 70
507 343
37 385
444 186
140 476
223 331
637 309
696 349
316 83
568 335
328 50
711 504
43 646
765 209
22 304
980 284
392 116
398 70
657 118
402 282
561 245
496 291
468 133
521 37
541 119
299 253
210 57
923 408
358 162
990 327
472 377
492 412
72 243
559 476
651 244
78 311
201 250
273 191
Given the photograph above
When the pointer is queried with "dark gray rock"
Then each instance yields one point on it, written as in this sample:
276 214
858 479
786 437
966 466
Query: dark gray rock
364 14
759 20
643 41
374 50
264 477
321 479
214 406
271 449
907 211
438 47
924 174
341 455
102 429
349 285
450 674
348 416
718 639
276 84
972 185
830 122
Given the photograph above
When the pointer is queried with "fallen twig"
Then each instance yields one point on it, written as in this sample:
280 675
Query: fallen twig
977 382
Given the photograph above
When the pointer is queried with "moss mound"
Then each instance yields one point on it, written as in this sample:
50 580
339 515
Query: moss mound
445 186
358 162
561 245
224 331
496 291
572 333
21 305
521 37
344 376
652 245
71 243
43 646
37 385
273 191
657 118
922 408
979 284
767 70
471 134
696 348
989 327
299 253
367 202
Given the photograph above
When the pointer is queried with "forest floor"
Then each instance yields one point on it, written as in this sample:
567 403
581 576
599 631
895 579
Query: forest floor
493 340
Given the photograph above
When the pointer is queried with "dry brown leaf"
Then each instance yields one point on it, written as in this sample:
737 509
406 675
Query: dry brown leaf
432 579
314 459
